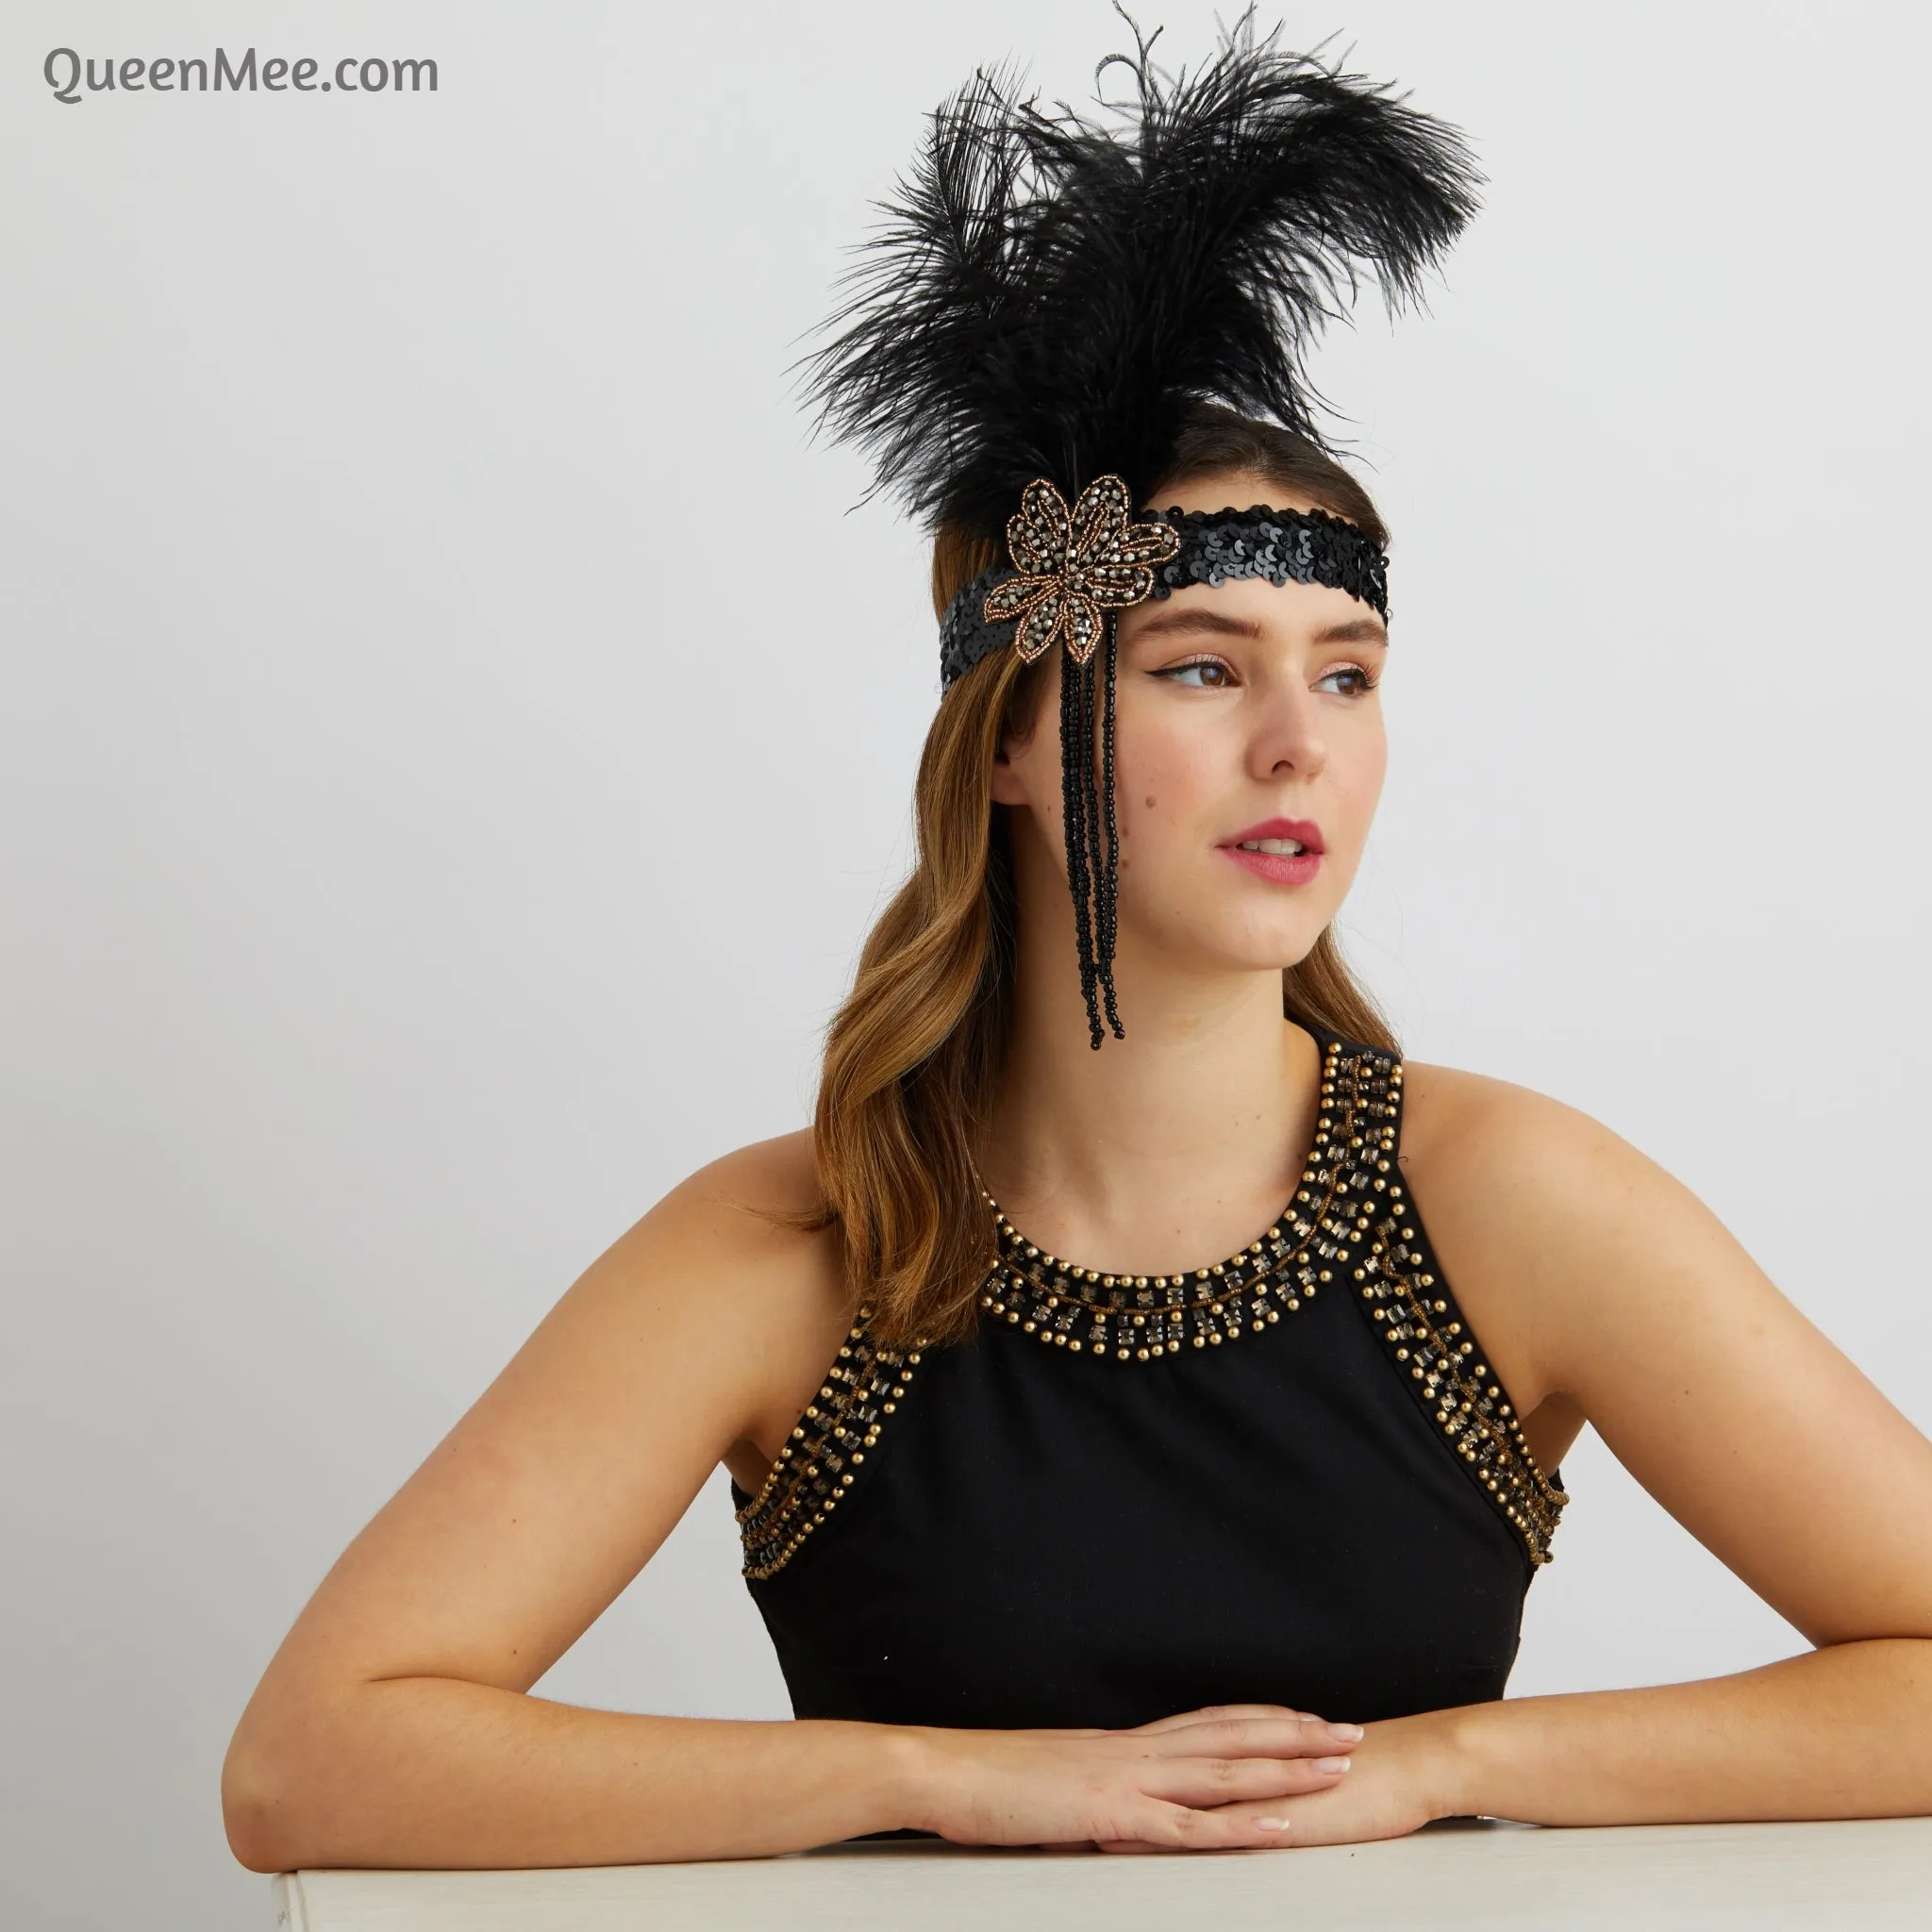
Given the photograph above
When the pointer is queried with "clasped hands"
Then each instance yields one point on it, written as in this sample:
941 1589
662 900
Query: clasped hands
1232 1776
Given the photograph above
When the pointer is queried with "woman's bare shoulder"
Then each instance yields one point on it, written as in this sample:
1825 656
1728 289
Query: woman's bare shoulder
1535 1209
1603 1288
757 1273
738 1232
1491 1138
710 1314
723 1285
775 1176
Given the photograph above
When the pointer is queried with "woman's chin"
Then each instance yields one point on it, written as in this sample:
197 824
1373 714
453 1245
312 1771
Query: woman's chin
1237 925
1199 953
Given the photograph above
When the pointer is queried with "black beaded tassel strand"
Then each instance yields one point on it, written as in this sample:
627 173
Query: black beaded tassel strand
1092 832
1107 900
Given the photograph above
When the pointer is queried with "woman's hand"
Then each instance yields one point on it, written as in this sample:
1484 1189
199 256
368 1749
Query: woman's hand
1205 1780
1400 1775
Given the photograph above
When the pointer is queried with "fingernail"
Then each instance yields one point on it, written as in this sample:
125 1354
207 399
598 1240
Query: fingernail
1331 1764
1270 1824
1349 1734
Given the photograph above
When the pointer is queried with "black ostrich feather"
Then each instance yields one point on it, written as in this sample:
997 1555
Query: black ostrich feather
1051 290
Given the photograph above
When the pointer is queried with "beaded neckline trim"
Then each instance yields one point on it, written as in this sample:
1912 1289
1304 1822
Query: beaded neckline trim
1351 1221
1140 1317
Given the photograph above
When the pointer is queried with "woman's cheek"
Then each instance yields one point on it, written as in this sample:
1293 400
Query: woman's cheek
1358 791
1162 778
1151 819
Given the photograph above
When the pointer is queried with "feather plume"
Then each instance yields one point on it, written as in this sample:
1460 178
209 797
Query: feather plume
1051 290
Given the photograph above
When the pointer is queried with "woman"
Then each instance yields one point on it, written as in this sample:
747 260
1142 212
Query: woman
1149 1548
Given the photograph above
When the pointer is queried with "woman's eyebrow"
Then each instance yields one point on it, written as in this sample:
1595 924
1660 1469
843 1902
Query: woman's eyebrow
1354 630
1357 630
1196 619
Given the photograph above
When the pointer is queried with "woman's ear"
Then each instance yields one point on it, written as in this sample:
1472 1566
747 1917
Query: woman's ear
1010 772
1019 774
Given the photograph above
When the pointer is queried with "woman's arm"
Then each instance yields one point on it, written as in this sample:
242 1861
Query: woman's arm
1841 1732
1600 1285
394 1727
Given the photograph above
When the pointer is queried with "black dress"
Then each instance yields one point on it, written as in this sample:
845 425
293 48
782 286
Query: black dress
1291 1478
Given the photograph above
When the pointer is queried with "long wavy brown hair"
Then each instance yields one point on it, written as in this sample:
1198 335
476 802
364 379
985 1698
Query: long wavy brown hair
913 1055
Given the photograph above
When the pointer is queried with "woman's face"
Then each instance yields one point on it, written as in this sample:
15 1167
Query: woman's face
1247 726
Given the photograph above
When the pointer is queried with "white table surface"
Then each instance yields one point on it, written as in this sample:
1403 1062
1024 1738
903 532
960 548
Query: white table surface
1873 1874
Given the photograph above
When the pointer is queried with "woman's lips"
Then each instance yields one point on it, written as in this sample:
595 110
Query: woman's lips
1287 852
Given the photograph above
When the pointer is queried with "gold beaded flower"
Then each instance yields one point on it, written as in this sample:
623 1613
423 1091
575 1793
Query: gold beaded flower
1073 564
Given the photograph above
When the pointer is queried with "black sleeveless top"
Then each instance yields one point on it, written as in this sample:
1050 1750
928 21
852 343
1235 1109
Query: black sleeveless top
1289 1479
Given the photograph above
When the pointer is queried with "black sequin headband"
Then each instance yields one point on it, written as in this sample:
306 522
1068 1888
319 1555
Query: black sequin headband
1211 547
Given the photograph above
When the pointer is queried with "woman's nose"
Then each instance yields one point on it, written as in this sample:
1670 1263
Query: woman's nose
1287 735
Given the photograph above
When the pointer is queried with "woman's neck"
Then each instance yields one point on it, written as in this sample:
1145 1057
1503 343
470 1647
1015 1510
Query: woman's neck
1163 1151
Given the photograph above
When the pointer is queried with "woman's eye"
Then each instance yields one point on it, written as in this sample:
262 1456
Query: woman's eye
1355 681
1204 674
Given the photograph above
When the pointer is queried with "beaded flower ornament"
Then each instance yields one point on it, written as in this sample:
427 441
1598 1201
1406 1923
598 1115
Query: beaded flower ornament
1071 566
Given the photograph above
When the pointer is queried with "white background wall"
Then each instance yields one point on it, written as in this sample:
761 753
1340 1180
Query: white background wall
427 832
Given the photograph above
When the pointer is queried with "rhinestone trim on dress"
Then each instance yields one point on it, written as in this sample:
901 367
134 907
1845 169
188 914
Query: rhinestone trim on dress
827 1447
1351 1221
1432 1349
1139 1317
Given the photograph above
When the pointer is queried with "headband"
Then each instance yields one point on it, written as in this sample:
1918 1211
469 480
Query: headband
1215 547
1054 295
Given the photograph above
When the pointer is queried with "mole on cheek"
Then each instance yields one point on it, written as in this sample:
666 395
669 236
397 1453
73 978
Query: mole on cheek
1150 801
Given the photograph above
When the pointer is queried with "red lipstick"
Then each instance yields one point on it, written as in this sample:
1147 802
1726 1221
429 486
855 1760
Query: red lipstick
1261 850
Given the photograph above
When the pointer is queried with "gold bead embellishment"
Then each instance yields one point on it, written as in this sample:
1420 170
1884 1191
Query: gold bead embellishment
1133 1318
820 1462
1075 565
1462 1397
1350 1220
